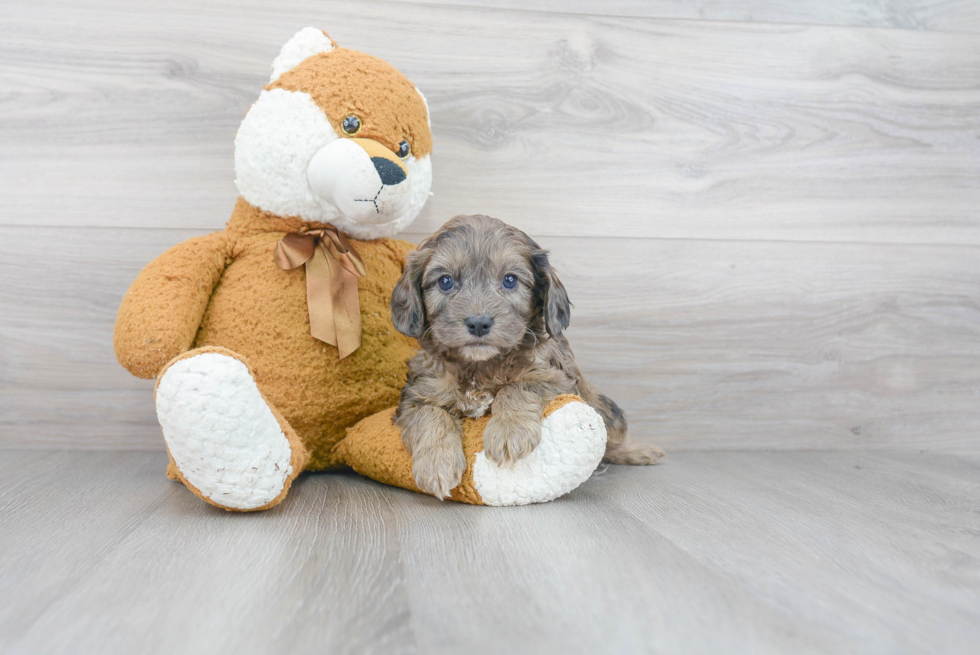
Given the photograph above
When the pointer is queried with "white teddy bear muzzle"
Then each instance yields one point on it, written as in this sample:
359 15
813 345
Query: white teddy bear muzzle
363 179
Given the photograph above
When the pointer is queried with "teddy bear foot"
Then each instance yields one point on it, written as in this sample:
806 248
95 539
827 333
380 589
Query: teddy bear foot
227 444
573 438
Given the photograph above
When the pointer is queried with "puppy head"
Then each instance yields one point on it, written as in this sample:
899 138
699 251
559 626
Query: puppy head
478 288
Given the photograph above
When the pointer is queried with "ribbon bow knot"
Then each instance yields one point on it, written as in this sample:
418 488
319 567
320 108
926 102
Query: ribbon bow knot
332 269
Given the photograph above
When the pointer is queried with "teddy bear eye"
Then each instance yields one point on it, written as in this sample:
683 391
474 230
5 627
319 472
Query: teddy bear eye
351 124
446 283
510 281
404 149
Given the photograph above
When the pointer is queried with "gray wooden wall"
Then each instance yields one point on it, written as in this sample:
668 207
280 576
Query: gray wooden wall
767 215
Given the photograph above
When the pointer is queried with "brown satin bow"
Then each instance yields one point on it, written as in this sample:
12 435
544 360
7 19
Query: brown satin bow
332 269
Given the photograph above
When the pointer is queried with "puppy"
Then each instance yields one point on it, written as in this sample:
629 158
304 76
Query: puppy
488 311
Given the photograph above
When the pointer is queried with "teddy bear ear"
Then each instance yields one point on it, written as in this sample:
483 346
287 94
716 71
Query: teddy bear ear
305 43
426 103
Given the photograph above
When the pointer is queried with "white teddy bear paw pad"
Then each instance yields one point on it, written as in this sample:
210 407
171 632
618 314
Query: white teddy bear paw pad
222 435
573 440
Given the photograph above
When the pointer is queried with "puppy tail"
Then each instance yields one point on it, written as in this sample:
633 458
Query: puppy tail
621 448
631 451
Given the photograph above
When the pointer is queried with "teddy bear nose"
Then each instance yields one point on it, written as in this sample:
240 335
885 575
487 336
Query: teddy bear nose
389 172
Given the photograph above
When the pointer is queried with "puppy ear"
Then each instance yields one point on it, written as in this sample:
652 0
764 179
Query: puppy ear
555 306
407 305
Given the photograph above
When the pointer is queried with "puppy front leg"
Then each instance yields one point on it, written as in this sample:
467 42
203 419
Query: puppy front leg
435 439
515 428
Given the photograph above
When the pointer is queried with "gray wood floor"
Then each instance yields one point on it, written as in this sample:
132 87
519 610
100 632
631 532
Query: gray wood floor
712 552
767 215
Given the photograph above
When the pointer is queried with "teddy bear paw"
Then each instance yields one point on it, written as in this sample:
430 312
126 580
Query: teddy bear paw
223 437
573 440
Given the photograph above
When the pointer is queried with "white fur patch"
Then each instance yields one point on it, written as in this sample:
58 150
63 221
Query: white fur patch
307 42
344 175
426 103
420 174
273 148
280 134
573 440
222 435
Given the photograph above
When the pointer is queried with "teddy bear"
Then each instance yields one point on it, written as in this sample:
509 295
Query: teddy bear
271 340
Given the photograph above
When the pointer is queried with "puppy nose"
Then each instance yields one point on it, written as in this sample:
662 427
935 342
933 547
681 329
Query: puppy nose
389 172
479 325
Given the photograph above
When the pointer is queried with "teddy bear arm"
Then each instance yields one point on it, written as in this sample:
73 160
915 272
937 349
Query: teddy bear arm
162 311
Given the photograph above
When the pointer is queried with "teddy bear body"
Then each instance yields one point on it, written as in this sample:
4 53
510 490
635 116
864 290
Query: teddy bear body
260 312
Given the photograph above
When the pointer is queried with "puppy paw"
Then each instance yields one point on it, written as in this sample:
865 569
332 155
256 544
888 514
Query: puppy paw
510 437
438 469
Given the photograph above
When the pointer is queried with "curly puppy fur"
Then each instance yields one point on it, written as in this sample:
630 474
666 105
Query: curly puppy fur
488 311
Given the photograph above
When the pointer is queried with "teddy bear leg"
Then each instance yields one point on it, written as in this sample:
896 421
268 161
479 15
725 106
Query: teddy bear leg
225 442
573 439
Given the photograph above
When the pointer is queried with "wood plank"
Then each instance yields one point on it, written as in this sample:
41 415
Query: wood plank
62 517
721 344
570 124
809 552
60 384
793 527
297 580
19 466
577 575
946 15
706 344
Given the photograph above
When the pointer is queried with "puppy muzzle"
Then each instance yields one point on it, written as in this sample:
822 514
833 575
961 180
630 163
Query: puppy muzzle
364 180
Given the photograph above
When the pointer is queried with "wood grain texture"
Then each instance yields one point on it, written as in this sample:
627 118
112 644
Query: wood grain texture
709 552
60 384
706 344
713 344
771 237
123 114
947 15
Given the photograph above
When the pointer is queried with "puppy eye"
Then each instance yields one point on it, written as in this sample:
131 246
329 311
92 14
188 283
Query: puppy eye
510 281
445 283
351 124
404 149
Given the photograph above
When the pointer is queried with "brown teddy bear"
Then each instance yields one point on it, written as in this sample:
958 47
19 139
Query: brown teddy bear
336 145
272 337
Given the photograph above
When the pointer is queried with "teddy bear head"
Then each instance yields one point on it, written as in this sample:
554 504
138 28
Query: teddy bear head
337 136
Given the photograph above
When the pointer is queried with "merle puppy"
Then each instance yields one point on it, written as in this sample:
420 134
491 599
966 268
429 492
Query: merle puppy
488 311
